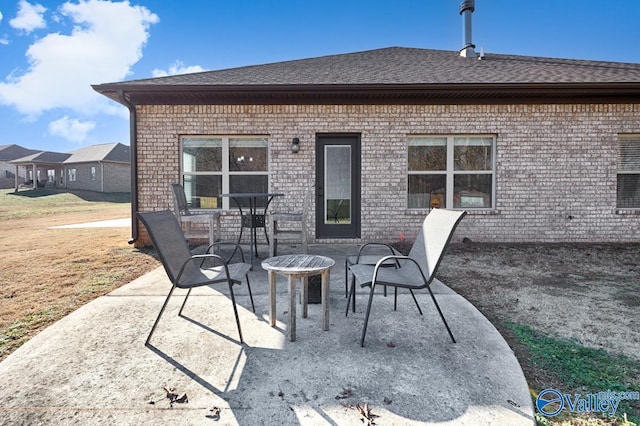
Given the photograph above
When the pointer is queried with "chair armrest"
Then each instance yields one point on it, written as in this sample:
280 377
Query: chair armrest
228 243
397 258
364 246
202 258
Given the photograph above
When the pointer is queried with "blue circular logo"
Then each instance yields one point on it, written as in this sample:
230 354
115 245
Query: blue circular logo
549 402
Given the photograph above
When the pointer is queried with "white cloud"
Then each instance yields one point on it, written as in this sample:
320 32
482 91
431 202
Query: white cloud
106 41
30 17
177 68
71 129
0 16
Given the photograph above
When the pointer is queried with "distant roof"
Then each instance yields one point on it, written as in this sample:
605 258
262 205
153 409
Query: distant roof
12 152
388 75
112 152
42 157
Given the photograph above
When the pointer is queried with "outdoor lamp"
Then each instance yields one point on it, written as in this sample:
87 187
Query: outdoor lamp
295 145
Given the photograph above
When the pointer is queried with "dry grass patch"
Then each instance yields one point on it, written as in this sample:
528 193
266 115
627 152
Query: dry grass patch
47 273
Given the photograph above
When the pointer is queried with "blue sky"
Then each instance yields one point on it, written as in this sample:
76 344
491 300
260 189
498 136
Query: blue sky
52 51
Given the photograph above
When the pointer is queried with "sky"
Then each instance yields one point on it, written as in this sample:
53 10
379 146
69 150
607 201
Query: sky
51 52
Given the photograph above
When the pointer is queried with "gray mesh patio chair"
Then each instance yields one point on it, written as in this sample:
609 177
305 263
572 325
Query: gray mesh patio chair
207 223
186 270
417 270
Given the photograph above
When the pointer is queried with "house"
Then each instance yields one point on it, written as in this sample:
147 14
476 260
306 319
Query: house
535 149
8 174
101 168
43 169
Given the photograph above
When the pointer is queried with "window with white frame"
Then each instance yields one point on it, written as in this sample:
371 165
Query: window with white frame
214 165
71 176
93 173
451 172
628 189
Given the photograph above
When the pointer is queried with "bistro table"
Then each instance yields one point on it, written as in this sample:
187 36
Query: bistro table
293 267
252 219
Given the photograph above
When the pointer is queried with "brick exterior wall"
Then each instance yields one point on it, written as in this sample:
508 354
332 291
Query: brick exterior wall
555 164
117 177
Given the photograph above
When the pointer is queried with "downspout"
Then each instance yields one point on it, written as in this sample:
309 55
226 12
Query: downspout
133 142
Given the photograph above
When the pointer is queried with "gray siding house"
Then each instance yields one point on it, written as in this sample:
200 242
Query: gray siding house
535 149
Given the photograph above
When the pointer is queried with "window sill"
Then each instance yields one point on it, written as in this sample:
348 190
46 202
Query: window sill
628 212
474 212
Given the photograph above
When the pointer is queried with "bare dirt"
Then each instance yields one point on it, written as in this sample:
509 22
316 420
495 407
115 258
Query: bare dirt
589 293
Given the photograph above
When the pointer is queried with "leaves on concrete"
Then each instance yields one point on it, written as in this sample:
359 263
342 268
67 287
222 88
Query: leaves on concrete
346 393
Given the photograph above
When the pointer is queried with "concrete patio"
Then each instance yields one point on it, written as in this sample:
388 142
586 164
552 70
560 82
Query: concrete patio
92 367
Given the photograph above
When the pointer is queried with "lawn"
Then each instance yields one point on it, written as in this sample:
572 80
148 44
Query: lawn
47 273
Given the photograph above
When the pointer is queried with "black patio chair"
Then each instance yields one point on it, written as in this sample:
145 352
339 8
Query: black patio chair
415 271
186 270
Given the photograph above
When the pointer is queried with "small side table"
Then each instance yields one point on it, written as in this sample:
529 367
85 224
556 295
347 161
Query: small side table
293 267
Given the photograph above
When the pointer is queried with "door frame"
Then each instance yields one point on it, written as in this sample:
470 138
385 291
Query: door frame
331 230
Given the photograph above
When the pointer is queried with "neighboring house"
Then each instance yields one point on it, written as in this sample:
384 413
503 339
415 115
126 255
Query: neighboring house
102 168
42 169
8 176
535 149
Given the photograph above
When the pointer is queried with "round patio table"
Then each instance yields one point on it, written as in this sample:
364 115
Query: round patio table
298 266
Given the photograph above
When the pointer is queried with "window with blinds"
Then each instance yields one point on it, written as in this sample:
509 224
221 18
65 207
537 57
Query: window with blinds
628 190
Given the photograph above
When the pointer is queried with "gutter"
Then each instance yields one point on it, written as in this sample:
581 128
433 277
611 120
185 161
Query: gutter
133 142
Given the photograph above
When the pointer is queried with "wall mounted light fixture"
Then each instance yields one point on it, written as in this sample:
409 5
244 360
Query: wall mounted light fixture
295 145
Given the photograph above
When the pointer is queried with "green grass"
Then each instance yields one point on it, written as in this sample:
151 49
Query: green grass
582 370
41 202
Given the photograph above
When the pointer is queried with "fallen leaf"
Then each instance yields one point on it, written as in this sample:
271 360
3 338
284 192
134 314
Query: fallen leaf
387 400
391 345
346 393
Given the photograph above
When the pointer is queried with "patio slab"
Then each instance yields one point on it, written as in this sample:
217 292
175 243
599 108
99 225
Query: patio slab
92 367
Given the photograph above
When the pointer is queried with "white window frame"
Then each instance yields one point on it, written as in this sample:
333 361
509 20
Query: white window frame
629 167
225 172
94 172
450 171
72 175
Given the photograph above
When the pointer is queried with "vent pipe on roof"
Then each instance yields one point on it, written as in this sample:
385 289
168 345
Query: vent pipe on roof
466 9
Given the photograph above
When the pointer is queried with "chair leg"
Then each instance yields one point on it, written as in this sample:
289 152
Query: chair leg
441 315
366 317
184 302
352 294
415 300
250 294
159 315
346 279
235 310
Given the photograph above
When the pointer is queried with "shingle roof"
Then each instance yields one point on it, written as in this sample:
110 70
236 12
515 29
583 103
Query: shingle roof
391 69
42 157
11 152
113 152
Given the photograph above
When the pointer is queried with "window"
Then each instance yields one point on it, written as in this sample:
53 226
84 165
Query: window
71 175
628 190
51 175
213 165
93 172
450 172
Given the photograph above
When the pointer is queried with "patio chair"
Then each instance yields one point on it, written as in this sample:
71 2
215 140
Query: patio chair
297 232
186 270
207 222
417 270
